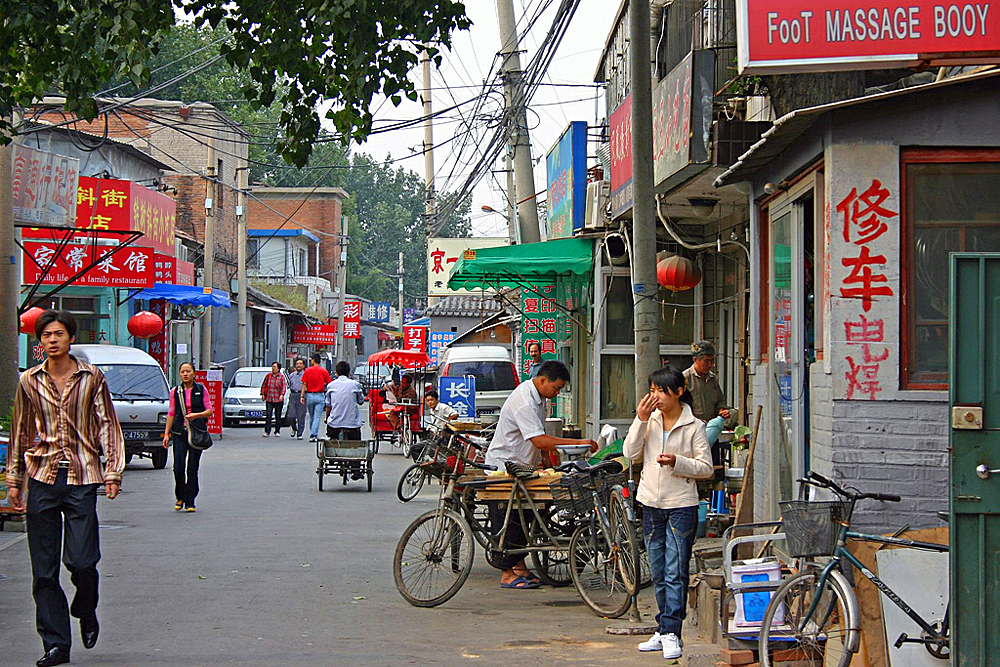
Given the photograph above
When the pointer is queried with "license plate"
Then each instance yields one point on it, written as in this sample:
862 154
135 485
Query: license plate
255 413
486 412
136 435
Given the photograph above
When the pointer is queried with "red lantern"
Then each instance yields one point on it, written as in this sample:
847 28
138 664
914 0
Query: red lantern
145 324
677 273
28 318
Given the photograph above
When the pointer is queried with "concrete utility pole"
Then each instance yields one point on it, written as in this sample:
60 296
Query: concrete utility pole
527 210
647 337
429 196
342 286
512 227
9 283
209 262
241 264
401 294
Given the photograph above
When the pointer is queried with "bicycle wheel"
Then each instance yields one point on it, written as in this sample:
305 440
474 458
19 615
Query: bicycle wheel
552 567
595 573
820 639
433 558
410 483
626 545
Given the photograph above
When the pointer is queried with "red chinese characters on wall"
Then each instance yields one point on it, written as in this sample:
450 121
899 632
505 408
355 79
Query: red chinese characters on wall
352 319
864 221
538 323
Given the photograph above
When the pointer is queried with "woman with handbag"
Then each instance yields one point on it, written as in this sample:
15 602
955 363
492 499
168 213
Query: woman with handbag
189 435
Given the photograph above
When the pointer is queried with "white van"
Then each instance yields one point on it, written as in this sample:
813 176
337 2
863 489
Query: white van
140 394
491 365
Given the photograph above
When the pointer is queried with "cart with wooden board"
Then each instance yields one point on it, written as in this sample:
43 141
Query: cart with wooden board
347 458
414 363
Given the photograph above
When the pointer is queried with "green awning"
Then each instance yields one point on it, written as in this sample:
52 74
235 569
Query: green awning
513 266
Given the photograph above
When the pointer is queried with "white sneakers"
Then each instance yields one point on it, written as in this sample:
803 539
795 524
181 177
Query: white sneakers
669 643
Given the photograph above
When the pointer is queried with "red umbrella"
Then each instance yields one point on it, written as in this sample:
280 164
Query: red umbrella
404 358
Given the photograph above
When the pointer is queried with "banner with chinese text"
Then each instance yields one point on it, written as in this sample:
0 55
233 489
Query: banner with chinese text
43 186
459 393
213 385
319 334
352 319
415 338
437 342
442 254
378 311
158 348
540 323
130 267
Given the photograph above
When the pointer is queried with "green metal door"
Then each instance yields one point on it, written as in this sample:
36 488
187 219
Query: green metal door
974 402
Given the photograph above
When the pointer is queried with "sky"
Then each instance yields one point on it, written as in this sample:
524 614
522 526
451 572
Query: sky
460 78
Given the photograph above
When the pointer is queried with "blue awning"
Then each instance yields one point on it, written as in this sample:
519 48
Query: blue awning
185 295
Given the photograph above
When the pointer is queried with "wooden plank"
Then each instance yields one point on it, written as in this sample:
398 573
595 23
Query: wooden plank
744 505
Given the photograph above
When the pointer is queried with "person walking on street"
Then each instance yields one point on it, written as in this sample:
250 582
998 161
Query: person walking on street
63 419
296 408
312 395
187 459
675 453
535 353
272 390
343 396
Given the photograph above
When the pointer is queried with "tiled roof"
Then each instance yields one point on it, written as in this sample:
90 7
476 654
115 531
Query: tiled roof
463 306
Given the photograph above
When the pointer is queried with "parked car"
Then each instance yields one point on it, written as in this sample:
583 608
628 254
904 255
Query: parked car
242 401
491 365
140 395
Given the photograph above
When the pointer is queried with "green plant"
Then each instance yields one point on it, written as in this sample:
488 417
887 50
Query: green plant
741 437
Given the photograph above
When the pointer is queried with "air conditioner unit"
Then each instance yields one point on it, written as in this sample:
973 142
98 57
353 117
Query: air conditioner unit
598 194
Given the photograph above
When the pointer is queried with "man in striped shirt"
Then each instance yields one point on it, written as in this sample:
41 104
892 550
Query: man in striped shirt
66 405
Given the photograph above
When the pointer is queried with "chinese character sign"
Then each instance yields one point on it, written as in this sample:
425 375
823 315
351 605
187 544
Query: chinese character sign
184 272
437 342
153 214
621 158
164 269
415 338
409 314
319 334
213 385
352 319
158 343
566 168
442 254
863 235
539 323
378 311
459 393
129 267
43 186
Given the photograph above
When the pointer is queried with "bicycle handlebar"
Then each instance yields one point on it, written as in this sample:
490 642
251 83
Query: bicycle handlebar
821 481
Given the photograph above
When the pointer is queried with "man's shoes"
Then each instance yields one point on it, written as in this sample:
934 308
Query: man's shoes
292 434
266 434
654 643
89 629
671 646
179 505
189 508
57 655
299 436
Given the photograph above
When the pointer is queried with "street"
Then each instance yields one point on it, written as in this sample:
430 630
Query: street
270 571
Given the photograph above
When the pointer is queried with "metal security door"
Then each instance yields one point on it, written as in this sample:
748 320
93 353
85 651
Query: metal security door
974 399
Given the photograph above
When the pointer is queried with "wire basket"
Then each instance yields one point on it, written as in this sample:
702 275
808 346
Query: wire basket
606 483
573 493
812 528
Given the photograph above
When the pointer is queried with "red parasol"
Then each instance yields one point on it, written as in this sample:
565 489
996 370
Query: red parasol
404 358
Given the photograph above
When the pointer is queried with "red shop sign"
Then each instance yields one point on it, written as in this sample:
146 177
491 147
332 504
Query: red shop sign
320 334
415 338
164 269
621 158
185 272
352 319
130 267
782 36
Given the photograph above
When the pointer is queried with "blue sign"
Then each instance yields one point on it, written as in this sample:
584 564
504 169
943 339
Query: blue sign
459 393
409 314
378 311
566 167
437 341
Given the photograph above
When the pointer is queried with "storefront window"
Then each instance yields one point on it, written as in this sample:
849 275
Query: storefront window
618 386
620 322
781 308
950 207
677 314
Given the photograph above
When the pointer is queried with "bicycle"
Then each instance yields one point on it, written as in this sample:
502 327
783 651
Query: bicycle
814 615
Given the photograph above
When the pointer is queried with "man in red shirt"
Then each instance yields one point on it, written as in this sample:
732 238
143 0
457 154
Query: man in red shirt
314 381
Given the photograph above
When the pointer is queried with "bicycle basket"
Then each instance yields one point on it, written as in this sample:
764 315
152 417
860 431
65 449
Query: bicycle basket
573 493
606 483
812 528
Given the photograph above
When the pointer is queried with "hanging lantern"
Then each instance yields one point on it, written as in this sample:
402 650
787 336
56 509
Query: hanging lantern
677 273
145 324
28 318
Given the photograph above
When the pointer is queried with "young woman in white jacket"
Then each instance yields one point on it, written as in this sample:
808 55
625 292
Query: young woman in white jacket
675 452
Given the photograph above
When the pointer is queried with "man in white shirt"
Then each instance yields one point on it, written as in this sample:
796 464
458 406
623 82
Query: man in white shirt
343 396
519 437
436 413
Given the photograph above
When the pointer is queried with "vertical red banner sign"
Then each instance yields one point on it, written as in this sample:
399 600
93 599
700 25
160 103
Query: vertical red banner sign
164 269
213 385
158 343
415 338
352 319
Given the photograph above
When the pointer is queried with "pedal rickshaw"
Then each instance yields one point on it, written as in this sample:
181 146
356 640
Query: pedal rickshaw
405 435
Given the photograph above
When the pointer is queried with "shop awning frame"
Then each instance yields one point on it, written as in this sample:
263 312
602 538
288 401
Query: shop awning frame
185 295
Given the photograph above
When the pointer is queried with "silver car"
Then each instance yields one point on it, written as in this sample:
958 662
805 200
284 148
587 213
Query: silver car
242 401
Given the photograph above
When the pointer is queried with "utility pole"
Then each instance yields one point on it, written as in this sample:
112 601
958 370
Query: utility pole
241 264
527 210
512 226
9 282
429 203
342 286
400 293
208 273
647 339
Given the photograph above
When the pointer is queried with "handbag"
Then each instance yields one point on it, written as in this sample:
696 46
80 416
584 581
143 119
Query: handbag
198 436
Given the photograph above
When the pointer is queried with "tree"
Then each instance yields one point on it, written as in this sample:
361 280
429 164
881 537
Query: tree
298 55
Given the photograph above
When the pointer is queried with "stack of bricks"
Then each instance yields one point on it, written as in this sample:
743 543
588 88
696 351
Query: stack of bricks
793 657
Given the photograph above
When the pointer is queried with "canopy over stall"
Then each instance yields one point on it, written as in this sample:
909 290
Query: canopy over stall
404 358
186 295
519 265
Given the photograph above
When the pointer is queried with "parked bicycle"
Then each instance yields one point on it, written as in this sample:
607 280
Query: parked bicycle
815 613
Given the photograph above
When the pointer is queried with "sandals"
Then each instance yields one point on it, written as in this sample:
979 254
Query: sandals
521 583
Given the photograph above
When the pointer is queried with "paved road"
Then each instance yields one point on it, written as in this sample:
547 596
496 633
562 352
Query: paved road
270 571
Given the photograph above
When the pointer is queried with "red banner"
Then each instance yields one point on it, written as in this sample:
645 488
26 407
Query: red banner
320 334
154 215
164 269
621 158
415 338
779 36
130 267
352 319
213 385
185 272
158 343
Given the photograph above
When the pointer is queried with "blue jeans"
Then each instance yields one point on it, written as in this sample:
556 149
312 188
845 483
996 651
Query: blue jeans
315 402
669 536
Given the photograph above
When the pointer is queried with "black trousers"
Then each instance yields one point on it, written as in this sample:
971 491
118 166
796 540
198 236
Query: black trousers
275 410
343 433
514 538
62 517
186 462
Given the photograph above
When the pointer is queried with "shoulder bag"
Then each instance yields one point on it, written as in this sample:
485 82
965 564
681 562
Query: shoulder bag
197 430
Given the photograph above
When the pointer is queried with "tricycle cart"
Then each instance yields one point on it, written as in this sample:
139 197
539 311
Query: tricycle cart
405 435
347 458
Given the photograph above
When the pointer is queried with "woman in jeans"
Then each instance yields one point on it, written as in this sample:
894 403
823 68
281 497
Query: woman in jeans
197 405
672 443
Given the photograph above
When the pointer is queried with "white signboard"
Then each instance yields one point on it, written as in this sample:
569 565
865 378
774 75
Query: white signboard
442 254
44 187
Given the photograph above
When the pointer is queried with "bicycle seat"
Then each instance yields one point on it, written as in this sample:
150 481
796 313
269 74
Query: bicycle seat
943 516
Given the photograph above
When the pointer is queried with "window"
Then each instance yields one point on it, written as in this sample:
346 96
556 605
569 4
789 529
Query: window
950 206
490 375
253 254
248 378
676 314
303 268
135 382
220 185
